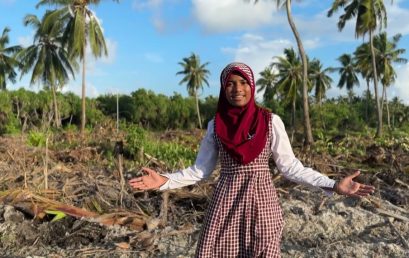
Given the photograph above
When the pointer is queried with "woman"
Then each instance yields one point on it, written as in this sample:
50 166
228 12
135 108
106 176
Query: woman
244 217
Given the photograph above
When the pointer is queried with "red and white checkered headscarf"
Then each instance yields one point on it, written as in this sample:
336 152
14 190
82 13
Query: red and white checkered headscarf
242 130
242 69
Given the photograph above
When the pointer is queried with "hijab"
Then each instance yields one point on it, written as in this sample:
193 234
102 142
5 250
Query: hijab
241 130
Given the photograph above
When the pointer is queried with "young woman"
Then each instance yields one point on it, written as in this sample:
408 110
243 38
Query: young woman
244 218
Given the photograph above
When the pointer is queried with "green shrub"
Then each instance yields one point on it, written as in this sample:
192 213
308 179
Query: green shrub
11 125
36 139
174 154
394 142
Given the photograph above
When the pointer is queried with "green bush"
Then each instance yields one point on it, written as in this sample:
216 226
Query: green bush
12 126
401 142
36 139
9 124
174 154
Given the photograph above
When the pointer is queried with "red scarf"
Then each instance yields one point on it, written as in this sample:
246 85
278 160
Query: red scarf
242 130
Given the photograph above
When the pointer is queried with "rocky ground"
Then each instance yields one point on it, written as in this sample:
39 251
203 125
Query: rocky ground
107 220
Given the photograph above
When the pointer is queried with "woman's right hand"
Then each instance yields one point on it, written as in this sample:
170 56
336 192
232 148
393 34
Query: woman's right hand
152 180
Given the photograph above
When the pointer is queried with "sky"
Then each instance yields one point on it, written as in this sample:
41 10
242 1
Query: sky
147 39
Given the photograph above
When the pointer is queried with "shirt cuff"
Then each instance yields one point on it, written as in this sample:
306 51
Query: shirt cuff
165 186
330 184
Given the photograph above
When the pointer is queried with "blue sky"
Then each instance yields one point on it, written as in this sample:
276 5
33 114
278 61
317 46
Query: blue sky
147 38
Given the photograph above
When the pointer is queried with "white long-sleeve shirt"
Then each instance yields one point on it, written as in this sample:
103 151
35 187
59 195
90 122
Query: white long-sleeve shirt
283 155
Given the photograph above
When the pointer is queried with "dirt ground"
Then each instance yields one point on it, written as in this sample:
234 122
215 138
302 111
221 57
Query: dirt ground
107 219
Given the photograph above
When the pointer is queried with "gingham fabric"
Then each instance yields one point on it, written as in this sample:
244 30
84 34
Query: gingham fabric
244 218
242 67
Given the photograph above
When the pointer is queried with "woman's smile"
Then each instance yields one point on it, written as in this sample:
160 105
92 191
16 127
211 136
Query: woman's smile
237 90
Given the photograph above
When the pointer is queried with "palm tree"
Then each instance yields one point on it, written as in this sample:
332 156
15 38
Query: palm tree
195 74
81 29
363 64
47 59
320 79
289 79
347 72
307 124
370 15
386 54
400 112
7 60
266 83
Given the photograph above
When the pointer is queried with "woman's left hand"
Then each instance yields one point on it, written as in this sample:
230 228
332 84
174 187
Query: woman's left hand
347 186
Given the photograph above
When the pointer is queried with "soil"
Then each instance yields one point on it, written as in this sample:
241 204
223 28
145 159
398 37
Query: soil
106 219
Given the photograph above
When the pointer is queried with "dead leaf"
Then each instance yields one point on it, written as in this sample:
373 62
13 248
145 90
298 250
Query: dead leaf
123 245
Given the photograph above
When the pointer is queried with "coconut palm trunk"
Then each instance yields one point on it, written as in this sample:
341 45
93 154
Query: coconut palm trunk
385 102
368 99
307 124
293 120
375 78
57 120
320 112
83 94
197 110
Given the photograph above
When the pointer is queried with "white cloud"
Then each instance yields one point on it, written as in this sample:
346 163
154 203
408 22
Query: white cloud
26 41
93 62
76 88
230 15
396 23
154 57
401 87
112 49
159 23
322 28
257 52
156 7
311 43
325 28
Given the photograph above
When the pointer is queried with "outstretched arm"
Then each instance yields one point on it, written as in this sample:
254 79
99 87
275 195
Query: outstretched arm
295 171
290 166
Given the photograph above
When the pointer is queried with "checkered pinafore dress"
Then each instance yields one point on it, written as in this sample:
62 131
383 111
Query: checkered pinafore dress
244 217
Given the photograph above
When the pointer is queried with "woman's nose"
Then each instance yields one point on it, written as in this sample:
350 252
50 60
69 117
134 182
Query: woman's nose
237 88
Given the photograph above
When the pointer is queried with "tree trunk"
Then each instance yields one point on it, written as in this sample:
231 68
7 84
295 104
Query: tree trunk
117 112
383 96
375 79
385 100
57 120
24 126
83 97
367 100
293 121
197 110
320 112
307 124
18 111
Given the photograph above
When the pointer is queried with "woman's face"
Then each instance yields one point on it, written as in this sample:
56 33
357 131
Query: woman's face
237 91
